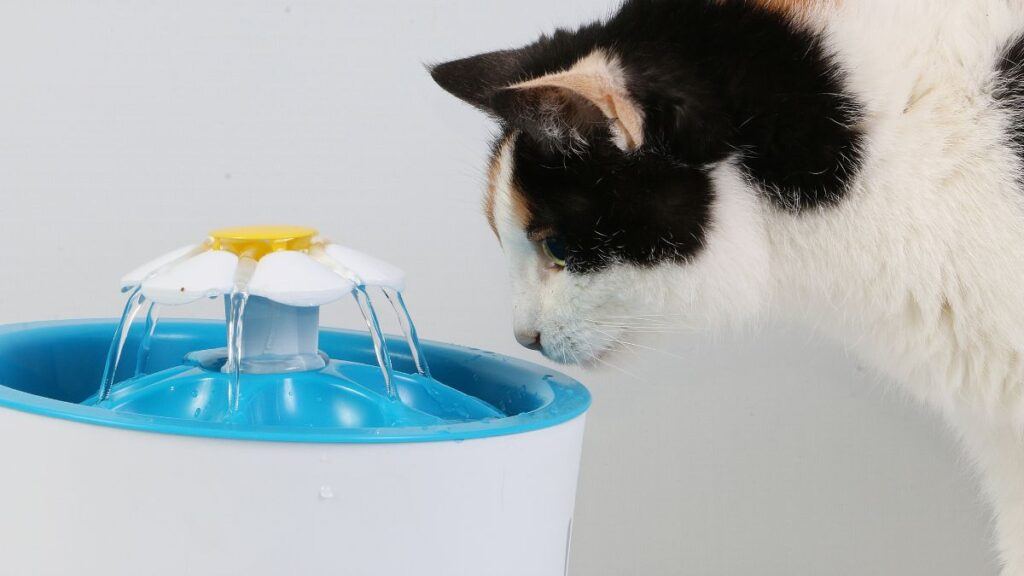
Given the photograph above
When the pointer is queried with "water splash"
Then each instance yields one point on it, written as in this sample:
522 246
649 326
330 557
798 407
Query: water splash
409 330
131 310
380 345
142 357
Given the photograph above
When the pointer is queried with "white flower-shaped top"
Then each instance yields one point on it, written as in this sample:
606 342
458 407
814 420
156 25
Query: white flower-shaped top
285 264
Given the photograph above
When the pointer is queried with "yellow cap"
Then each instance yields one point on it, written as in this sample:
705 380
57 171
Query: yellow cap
258 241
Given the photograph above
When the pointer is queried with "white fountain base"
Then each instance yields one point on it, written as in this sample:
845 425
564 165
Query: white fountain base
85 500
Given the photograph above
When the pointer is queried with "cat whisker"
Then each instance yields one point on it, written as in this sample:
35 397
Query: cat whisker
638 329
634 345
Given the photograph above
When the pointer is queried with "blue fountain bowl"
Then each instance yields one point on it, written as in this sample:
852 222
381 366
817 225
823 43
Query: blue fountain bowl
52 368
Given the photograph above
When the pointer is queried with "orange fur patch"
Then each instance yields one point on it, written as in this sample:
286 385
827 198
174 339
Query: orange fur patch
520 210
794 8
492 189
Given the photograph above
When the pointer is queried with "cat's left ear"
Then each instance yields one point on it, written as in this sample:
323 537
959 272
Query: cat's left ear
561 108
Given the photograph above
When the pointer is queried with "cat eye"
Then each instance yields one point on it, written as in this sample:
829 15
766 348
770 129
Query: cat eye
554 248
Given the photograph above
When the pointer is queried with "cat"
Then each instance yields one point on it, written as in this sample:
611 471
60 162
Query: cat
855 164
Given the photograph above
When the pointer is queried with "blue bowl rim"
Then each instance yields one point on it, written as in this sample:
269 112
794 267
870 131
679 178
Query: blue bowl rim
570 399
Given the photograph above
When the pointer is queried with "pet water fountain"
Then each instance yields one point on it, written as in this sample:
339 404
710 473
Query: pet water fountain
265 445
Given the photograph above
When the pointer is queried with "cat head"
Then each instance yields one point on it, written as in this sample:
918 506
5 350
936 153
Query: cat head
602 230
615 186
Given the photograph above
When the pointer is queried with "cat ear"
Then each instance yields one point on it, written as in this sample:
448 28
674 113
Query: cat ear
561 108
478 78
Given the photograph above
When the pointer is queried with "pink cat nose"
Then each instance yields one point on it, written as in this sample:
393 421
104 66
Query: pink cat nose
530 339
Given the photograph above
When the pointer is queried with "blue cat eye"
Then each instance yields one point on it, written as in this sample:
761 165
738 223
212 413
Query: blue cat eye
554 248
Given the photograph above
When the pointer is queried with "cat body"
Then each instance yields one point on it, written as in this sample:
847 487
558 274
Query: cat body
852 164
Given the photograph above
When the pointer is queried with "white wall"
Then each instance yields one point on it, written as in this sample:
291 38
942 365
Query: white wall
128 129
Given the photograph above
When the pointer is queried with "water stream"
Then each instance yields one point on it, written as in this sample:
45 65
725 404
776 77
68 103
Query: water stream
236 310
409 330
142 357
380 345
131 310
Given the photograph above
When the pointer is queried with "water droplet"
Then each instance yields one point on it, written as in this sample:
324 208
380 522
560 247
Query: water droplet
197 412
326 492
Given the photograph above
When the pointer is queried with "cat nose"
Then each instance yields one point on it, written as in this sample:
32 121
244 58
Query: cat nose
529 339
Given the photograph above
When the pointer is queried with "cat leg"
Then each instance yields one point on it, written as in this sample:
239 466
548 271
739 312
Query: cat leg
999 450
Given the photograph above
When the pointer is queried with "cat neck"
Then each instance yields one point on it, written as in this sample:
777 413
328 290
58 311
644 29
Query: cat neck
918 274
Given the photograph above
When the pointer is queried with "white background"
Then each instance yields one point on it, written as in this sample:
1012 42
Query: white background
128 128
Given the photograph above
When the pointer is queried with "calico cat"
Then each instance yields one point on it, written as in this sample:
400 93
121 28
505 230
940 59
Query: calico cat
853 163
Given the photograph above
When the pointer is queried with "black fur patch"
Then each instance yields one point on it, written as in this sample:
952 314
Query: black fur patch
1009 89
715 79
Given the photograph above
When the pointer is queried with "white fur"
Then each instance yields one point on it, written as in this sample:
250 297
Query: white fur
920 270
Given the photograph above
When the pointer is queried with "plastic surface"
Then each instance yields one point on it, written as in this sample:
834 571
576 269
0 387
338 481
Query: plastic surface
276 339
295 279
208 274
258 241
47 368
290 267
135 277
370 271
81 500
343 395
